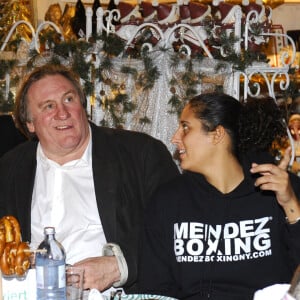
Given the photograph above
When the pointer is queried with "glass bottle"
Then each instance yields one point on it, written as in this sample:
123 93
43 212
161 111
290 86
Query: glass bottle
50 264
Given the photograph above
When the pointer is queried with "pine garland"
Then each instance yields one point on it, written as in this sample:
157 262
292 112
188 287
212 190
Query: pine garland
81 56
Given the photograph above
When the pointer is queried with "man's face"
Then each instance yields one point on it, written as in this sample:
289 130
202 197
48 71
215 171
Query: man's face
57 116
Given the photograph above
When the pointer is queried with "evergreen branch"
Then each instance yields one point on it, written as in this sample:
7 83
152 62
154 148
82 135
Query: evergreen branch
129 70
144 120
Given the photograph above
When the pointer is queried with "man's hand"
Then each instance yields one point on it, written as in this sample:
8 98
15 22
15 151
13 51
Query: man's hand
99 272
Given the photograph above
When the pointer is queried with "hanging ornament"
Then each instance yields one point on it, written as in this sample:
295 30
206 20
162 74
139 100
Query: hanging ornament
79 20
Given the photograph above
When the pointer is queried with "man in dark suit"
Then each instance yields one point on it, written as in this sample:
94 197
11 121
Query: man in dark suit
91 183
10 136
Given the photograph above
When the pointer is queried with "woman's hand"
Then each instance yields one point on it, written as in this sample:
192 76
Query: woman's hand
276 178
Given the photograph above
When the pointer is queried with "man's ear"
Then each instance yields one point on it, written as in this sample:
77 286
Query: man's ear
219 134
30 127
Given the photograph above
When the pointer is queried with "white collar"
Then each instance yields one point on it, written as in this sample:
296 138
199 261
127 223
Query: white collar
85 160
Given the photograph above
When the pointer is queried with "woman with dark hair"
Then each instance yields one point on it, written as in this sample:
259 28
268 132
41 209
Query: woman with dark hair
226 227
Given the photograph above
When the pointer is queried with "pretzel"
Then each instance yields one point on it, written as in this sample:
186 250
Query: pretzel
22 259
2 233
14 254
2 246
7 261
11 228
15 228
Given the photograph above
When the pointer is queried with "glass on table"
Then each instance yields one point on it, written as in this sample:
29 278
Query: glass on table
74 283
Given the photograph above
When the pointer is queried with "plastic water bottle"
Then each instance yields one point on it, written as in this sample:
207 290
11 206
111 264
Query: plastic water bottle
50 264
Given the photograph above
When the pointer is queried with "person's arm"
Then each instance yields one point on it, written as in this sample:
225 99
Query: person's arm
149 164
156 167
159 166
287 189
155 273
277 179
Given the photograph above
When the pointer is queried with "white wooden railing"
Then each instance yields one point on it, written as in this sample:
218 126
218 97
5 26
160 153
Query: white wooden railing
155 103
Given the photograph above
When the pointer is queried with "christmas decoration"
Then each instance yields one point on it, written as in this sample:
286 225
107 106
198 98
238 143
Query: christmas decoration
10 13
66 22
111 69
95 6
78 22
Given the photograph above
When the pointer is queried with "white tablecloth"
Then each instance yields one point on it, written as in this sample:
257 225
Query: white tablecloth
273 292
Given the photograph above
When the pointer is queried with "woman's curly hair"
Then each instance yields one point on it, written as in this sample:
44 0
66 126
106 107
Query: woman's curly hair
261 125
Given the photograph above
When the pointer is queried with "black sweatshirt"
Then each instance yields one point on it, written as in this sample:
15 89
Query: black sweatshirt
201 244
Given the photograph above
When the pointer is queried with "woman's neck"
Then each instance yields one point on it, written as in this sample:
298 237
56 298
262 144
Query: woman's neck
226 175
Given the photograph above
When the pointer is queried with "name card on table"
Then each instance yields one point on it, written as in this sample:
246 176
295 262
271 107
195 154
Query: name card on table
14 289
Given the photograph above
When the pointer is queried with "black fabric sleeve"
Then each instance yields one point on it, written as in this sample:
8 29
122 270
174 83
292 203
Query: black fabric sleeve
293 230
155 274
157 167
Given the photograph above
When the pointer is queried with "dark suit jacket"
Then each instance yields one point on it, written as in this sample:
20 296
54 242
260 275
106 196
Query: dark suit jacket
127 168
10 136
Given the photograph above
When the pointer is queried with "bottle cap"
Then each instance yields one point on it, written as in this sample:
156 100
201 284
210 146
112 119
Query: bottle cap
49 230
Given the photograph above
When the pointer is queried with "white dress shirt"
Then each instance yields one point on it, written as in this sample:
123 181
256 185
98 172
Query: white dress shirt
64 197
